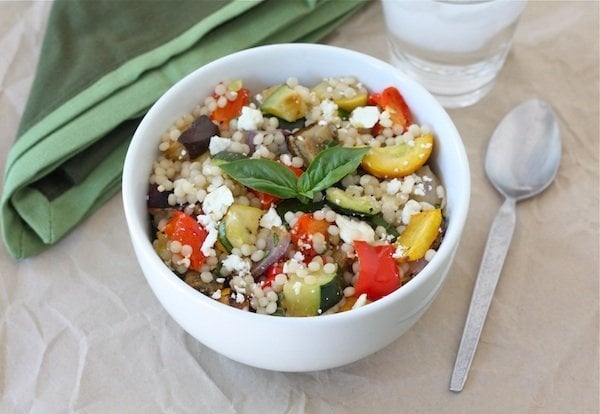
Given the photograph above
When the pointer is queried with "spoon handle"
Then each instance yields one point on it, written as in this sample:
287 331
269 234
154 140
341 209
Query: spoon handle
489 271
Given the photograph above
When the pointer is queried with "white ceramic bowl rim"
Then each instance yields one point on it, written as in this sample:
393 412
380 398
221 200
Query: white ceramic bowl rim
138 226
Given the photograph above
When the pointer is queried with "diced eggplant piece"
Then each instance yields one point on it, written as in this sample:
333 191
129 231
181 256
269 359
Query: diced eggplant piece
193 279
308 142
196 138
156 198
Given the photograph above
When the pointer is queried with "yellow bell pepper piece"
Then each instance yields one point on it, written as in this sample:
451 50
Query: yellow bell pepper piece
423 228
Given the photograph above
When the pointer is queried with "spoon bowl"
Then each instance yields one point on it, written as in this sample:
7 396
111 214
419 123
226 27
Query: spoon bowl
524 151
522 159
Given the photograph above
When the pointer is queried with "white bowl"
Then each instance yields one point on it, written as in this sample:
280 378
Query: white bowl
286 343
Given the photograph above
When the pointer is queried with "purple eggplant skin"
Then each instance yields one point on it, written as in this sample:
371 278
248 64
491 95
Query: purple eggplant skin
196 138
157 199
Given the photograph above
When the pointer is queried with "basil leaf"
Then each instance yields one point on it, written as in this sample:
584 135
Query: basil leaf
329 167
262 175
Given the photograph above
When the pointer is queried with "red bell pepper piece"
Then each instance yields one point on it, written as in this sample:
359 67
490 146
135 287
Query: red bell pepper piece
186 230
392 101
233 109
379 274
271 273
303 231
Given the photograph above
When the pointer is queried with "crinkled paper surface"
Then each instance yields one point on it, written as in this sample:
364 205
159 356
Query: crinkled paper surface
80 330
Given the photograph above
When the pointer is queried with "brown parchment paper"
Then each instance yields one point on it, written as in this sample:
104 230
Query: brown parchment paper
80 331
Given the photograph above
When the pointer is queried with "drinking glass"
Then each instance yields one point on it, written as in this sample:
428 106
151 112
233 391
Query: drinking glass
454 48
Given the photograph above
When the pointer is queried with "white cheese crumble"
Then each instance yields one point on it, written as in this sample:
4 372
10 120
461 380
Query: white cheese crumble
235 263
250 119
393 186
408 184
328 110
270 219
218 144
364 116
400 252
210 225
217 202
411 207
351 230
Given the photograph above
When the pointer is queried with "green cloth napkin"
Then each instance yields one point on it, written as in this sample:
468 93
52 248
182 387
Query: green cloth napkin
103 64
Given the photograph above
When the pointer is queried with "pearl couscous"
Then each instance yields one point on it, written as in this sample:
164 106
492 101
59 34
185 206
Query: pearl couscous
297 200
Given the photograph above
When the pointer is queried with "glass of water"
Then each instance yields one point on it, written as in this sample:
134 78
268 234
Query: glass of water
454 48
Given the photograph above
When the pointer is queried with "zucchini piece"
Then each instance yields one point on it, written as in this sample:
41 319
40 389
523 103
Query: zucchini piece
222 237
285 103
238 226
378 220
291 126
353 205
311 299
293 204
331 290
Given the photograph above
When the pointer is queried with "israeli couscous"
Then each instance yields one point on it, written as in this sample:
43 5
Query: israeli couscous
297 200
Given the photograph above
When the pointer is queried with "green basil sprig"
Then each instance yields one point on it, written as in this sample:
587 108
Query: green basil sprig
328 167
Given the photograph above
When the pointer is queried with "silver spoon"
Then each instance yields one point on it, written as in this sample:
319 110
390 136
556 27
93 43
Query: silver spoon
521 161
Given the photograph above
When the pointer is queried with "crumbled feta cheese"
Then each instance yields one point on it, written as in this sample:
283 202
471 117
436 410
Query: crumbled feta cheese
235 263
298 257
218 144
411 207
217 202
250 119
408 184
294 264
216 294
419 189
400 252
210 225
270 219
328 110
351 230
364 116
393 186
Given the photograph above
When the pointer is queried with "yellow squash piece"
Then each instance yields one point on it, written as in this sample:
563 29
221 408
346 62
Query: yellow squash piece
422 230
399 160
347 104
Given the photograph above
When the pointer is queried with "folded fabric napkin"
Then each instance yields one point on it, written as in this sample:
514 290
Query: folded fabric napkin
103 64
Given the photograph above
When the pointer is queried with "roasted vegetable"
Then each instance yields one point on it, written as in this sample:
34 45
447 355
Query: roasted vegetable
196 138
421 231
399 160
308 142
285 103
239 225
379 274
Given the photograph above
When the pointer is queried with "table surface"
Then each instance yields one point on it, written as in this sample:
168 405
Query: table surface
80 330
